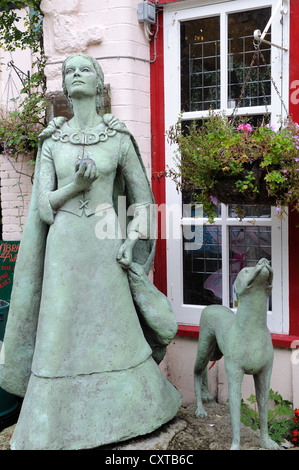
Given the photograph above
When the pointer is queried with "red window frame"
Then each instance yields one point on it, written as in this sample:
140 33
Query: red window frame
158 164
162 2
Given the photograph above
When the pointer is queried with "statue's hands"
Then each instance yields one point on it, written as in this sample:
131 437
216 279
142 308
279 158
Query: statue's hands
86 174
125 252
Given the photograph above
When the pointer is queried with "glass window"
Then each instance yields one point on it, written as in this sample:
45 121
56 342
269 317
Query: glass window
209 51
202 269
247 245
241 26
200 64
244 246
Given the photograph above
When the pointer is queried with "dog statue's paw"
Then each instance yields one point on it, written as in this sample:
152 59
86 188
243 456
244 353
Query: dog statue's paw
207 397
267 443
201 412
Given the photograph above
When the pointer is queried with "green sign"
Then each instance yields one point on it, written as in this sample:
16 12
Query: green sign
8 255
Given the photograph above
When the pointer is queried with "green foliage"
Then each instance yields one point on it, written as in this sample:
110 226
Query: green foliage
205 154
19 130
283 420
12 35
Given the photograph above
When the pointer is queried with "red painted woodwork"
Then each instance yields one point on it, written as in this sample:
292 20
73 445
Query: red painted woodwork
293 216
158 148
286 341
161 2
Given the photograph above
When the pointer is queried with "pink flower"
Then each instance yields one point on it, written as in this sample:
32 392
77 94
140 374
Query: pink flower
244 127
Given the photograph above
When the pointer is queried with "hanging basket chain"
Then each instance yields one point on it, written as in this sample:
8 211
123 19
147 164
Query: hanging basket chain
275 87
257 54
262 85
233 115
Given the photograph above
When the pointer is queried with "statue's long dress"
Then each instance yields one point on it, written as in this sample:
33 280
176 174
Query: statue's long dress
93 379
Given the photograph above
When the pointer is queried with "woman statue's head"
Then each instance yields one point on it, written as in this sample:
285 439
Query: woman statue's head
99 77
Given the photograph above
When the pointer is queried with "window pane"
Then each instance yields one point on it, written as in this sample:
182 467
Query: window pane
257 211
200 64
241 27
247 245
202 268
189 199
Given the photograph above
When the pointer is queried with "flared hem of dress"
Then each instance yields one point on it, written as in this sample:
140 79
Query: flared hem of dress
89 411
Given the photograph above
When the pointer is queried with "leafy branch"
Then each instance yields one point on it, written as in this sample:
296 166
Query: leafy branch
21 28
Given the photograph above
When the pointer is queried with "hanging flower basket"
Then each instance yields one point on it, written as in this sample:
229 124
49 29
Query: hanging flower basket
236 164
226 189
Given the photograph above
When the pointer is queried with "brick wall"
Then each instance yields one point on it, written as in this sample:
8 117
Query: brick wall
16 186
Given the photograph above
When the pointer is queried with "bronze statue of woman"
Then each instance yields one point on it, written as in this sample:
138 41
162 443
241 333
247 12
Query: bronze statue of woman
86 327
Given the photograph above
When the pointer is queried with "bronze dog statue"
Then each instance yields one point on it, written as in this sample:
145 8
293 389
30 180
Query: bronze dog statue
245 342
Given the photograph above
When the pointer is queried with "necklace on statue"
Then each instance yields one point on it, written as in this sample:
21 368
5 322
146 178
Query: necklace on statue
82 156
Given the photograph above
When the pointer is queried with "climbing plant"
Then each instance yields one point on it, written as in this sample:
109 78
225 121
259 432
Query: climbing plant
21 28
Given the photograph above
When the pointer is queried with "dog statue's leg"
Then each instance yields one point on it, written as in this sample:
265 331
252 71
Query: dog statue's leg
235 378
205 346
206 396
200 411
262 387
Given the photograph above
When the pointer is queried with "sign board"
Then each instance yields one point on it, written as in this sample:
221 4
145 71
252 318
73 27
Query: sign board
8 255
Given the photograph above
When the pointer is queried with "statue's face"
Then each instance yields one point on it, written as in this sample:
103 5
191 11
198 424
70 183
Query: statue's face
80 77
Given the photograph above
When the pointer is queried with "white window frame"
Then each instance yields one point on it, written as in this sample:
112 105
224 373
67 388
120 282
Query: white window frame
278 319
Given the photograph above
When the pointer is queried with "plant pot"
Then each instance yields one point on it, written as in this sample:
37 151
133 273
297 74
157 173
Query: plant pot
226 191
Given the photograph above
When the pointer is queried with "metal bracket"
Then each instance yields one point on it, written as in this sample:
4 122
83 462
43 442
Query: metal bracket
22 75
260 36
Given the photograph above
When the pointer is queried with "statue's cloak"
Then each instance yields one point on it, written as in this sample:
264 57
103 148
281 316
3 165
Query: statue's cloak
154 311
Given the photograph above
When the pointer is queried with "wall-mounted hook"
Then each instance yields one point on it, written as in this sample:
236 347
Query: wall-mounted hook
257 35
260 37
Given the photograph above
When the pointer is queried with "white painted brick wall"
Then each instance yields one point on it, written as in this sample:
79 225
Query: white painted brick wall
16 187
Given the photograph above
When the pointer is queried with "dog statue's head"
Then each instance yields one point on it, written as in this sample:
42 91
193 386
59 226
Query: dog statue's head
259 277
